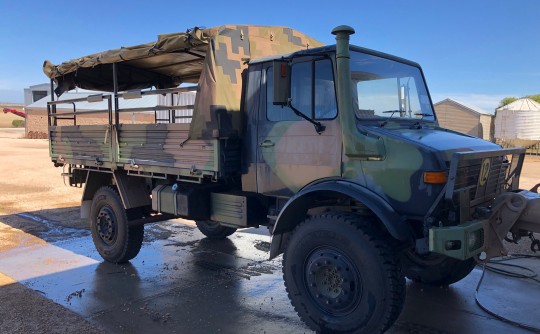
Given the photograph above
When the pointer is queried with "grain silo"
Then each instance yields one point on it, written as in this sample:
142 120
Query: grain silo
518 123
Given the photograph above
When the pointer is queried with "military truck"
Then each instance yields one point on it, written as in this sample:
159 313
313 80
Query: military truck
335 148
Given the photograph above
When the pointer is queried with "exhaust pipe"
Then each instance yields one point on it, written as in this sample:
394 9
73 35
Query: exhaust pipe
344 89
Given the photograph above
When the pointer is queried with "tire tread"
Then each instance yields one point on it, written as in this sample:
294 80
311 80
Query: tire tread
386 247
134 234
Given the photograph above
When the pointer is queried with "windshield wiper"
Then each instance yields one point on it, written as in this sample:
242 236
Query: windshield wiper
417 124
388 112
422 114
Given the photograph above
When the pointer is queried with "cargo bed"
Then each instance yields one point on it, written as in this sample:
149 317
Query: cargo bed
149 149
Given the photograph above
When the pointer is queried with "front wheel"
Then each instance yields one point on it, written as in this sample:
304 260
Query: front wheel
343 275
435 269
114 239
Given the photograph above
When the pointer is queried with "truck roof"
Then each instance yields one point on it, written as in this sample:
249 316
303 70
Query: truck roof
330 48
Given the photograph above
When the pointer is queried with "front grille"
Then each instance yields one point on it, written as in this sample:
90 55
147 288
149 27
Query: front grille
475 179
468 179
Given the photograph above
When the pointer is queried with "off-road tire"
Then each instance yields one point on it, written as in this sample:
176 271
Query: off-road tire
214 230
343 275
435 269
114 239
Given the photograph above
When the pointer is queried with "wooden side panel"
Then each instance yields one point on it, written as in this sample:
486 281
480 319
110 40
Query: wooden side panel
81 142
166 145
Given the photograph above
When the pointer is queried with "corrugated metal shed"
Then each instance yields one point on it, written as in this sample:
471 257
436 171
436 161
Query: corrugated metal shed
180 99
465 118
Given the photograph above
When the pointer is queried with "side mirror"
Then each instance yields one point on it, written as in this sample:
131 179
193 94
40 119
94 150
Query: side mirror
282 82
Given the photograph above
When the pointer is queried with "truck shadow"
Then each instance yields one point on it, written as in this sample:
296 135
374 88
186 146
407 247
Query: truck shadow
61 224
180 282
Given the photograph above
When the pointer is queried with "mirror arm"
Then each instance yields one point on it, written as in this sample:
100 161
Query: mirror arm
318 126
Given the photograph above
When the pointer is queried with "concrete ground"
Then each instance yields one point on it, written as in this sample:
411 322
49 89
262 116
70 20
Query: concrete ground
52 280
184 283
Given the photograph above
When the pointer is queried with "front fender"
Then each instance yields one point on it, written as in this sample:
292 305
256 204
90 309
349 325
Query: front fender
296 208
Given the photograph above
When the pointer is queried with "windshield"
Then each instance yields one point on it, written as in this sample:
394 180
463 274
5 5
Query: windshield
385 88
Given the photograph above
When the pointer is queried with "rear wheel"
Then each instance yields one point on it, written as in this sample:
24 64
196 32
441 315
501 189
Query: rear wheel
214 230
113 238
343 275
435 269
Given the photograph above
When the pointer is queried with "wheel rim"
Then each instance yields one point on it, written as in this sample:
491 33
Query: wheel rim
106 225
333 281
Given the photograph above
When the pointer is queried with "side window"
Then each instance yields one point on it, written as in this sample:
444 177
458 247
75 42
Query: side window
276 113
312 92
301 84
325 92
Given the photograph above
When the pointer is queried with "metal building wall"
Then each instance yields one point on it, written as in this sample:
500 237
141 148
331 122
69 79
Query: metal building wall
465 118
452 116
180 99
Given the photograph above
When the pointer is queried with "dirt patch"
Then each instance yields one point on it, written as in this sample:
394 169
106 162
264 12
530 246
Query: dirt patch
14 133
28 180
7 119
530 175
12 237
33 197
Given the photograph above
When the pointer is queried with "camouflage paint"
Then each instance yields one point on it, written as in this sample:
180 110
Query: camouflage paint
393 176
397 176
221 78
82 142
298 157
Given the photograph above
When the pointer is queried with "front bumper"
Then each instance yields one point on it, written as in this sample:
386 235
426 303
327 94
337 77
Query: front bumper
515 212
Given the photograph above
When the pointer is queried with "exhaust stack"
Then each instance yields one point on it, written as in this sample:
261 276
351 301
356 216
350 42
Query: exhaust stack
343 81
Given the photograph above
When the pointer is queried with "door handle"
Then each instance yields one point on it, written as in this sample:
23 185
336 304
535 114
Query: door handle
267 143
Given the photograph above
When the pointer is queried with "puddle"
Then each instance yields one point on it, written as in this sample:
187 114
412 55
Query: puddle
52 231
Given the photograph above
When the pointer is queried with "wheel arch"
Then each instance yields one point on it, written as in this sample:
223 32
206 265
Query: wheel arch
132 190
297 207
94 181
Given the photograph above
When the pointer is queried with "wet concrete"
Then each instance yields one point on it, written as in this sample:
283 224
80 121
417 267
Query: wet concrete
183 283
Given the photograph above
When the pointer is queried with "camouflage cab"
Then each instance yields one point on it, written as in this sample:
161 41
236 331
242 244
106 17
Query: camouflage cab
336 148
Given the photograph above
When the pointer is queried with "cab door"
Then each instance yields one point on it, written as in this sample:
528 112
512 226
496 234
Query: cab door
290 152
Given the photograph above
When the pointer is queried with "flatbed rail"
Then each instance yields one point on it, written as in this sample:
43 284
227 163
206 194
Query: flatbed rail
154 146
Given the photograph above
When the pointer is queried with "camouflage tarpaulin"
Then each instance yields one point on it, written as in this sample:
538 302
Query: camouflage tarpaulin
214 57
171 60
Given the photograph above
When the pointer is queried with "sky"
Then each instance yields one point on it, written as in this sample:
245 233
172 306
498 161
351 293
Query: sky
473 51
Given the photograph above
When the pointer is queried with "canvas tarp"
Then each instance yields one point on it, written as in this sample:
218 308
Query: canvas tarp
214 57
